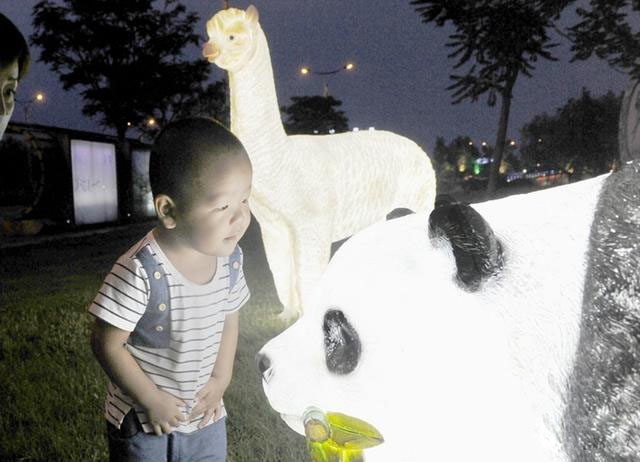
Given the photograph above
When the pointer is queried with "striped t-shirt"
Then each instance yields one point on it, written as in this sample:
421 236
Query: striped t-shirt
197 319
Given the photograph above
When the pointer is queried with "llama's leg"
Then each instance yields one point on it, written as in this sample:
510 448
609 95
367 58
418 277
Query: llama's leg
311 256
278 246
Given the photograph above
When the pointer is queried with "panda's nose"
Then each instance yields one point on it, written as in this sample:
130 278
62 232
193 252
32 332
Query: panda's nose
264 366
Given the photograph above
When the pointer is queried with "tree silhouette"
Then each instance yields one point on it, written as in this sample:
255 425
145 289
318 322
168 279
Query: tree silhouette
209 101
126 57
456 156
581 138
605 30
495 41
314 115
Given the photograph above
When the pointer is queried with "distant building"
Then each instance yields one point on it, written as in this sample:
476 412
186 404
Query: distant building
70 177
541 178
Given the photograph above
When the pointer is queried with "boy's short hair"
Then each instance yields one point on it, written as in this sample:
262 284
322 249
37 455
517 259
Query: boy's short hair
182 150
13 47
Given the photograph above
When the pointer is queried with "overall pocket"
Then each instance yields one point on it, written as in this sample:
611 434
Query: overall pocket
129 427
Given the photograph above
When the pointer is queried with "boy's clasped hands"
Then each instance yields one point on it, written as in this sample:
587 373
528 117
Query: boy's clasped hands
166 411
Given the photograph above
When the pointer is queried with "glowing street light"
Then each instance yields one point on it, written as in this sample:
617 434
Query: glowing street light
151 122
305 70
346 67
39 98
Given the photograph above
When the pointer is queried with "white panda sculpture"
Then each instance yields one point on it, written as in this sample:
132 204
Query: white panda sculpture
464 335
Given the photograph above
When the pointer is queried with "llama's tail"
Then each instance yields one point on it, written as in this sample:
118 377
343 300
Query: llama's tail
422 195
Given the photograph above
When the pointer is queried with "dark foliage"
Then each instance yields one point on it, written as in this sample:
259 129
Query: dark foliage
494 41
212 101
314 115
605 30
127 57
581 137
17 173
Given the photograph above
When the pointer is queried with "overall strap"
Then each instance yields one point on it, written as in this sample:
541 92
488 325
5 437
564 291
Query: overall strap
154 327
235 263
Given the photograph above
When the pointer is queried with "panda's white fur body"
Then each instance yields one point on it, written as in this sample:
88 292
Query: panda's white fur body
447 374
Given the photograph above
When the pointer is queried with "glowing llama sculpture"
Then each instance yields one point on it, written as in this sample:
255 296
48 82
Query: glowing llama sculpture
308 191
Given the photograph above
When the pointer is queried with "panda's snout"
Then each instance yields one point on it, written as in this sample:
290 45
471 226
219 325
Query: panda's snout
264 366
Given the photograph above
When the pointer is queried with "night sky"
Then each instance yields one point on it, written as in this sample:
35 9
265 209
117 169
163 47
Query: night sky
399 82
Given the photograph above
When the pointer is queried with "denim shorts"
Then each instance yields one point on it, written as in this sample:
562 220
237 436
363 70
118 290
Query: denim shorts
130 443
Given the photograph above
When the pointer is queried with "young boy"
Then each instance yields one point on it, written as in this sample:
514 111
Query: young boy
166 323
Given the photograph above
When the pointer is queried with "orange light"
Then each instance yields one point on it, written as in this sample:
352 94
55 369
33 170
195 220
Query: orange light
349 66
40 97
151 122
305 70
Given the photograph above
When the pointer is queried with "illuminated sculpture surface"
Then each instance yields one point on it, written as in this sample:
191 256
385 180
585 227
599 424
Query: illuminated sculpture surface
462 351
308 191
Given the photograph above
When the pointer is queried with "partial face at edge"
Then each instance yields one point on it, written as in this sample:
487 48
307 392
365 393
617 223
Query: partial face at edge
8 88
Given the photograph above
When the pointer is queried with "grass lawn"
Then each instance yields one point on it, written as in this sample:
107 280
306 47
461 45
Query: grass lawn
52 389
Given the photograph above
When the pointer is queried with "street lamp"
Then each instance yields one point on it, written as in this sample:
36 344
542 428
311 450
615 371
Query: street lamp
346 67
305 70
39 98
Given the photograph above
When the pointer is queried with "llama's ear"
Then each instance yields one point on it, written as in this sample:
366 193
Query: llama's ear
252 14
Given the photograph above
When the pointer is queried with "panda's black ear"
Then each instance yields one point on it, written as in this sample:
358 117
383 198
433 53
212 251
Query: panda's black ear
477 251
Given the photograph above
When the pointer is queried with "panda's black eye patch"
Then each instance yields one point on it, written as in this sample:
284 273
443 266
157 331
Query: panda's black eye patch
342 346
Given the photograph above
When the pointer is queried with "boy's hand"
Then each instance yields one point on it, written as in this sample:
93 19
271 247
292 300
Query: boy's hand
165 412
209 401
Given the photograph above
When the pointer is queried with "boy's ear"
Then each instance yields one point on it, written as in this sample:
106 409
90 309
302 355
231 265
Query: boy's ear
165 210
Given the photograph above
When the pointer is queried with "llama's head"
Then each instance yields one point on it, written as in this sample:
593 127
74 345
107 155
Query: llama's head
232 38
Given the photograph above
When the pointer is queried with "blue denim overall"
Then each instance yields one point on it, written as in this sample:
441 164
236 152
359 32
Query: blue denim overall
130 443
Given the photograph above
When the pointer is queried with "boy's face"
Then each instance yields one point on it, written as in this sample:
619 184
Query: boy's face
218 214
8 87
